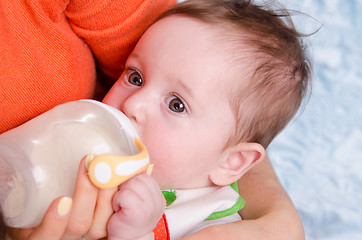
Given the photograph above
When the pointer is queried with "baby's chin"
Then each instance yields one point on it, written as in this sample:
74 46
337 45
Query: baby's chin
167 185
182 185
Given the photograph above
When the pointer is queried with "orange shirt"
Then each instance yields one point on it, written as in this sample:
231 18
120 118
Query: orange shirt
49 49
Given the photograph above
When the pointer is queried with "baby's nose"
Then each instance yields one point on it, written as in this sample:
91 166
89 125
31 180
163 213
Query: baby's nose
137 106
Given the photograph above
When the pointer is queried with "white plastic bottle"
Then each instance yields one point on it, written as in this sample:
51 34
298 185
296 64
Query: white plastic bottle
39 159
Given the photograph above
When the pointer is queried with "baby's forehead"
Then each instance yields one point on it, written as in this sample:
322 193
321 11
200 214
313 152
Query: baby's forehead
229 44
198 45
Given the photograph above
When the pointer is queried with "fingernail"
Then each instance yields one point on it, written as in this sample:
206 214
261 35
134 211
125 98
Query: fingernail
64 206
149 169
88 159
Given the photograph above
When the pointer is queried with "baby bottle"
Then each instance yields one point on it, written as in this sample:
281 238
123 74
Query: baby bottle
39 160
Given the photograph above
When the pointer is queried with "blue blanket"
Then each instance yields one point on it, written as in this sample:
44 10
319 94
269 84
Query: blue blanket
318 157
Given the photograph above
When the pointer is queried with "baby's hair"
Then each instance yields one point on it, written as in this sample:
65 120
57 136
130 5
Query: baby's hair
279 76
2 226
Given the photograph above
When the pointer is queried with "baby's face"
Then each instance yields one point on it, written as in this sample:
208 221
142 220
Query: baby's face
174 90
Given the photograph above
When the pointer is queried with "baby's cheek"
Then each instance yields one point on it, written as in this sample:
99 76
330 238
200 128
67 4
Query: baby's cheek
166 176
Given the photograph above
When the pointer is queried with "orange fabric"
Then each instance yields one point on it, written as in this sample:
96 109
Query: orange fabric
161 231
48 47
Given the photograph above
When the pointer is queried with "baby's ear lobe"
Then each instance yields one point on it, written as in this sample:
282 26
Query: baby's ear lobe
238 160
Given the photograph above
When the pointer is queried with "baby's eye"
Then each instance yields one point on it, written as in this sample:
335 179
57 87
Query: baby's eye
176 105
135 78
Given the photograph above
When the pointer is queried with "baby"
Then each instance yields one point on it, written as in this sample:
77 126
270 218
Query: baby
208 86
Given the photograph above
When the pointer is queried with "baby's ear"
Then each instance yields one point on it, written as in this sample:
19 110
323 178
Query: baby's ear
237 161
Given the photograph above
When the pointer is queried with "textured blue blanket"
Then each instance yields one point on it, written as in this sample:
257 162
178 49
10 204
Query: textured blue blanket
318 157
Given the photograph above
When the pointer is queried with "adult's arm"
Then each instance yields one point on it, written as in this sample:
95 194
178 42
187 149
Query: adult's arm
268 213
113 34
51 49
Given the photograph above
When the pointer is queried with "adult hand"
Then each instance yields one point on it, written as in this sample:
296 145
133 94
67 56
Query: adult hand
54 222
86 214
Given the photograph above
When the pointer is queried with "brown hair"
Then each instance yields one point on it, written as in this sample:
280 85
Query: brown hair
2 227
280 77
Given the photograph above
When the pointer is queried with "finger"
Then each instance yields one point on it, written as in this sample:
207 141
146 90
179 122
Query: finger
149 170
131 193
102 214
142 183
141 190
55 220
146 185
126 199
85 197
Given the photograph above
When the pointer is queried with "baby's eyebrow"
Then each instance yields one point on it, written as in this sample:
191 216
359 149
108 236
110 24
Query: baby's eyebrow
185 87
134 55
